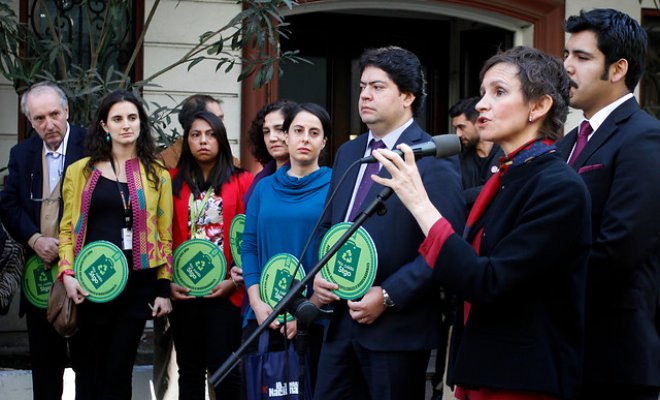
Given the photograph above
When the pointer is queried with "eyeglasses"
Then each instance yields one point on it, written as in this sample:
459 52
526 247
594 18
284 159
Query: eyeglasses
40 200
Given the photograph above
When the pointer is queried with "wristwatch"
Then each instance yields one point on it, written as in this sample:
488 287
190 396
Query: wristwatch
387 300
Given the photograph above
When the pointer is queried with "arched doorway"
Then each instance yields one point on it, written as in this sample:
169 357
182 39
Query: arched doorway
462 34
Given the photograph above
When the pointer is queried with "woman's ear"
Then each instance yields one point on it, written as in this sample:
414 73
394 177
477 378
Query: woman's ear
540 107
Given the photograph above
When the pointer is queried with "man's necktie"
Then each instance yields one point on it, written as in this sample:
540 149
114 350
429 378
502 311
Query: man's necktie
583 136
366 182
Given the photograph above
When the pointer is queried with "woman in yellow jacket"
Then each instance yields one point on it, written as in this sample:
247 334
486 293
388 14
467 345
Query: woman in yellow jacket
120 194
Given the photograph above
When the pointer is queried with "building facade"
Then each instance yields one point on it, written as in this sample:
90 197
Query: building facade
332 34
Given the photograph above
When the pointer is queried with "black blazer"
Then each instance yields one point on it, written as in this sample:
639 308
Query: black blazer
413 323
621 168
19 214
526 287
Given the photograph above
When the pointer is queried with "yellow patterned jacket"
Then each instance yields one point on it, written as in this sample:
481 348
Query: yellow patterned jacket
152 217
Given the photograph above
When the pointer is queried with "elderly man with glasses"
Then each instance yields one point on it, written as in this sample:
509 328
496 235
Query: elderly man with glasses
31 208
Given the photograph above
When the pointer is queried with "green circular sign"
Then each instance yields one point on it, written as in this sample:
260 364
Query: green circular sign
236 238
276 279
353 267
102 270
199 265
36 281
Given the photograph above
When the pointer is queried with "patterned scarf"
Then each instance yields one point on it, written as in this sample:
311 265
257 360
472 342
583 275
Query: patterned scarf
520 156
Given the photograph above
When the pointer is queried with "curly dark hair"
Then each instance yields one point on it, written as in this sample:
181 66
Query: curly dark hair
190 172
99 149
619 36
403 67
256 134
540 74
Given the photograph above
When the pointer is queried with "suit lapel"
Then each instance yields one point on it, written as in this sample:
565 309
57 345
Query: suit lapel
566 144
74 146
354 151
36 176
411 136
606 130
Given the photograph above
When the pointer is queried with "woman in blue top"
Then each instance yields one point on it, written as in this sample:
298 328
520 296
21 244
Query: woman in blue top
293 197
266 137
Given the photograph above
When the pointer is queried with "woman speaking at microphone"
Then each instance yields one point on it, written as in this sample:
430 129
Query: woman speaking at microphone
520 266
122 195
208 193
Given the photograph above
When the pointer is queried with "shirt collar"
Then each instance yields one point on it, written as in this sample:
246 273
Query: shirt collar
391 138
597 119
62 149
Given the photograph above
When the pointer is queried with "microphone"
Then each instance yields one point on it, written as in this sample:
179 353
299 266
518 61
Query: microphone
304 310
440 146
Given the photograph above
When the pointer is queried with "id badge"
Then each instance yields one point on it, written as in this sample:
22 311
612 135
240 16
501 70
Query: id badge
127 238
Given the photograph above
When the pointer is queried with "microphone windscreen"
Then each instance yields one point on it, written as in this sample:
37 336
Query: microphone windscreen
446 145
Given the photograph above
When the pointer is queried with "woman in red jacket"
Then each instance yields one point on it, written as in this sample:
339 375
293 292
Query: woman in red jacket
207 193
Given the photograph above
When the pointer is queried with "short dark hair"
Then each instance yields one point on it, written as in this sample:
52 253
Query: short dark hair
191 106
540 74
256 131
467 106
190 172
619 36
314 109
403 67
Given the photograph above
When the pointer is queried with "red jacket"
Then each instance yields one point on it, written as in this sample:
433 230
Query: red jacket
232 204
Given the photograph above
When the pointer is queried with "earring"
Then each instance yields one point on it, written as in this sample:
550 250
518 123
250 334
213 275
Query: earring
531 119
107 136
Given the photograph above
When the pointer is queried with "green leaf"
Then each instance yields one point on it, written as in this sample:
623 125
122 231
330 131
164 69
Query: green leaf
195 62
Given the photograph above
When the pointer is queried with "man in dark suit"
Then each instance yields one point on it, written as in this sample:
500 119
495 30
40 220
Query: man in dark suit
378 347
31 208
617 153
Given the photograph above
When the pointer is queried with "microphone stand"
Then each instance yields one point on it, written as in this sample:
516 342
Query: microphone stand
309 315
302 343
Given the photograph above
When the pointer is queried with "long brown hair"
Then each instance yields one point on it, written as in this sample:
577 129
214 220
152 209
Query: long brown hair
99 149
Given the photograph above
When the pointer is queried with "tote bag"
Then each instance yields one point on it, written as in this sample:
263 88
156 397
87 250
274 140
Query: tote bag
274 374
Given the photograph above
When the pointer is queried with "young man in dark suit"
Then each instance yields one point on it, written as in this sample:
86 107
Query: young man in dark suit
31 208
616 150
378 346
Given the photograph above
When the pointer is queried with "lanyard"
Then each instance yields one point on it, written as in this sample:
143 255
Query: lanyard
124 203
196 213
